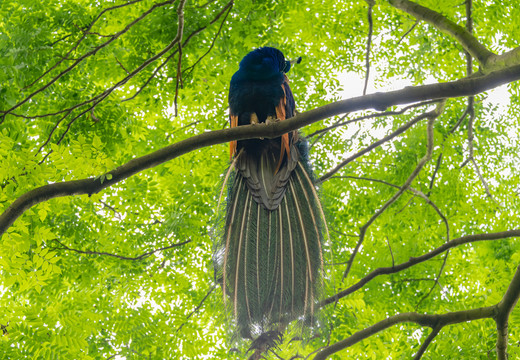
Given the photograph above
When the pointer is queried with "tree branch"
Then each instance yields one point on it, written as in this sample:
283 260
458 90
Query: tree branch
100 97
431 115
433 321
369 42
412 190
407 32
463 87
374 145
505 307
436 280
370 116
191 67
471 147
427 342
417 260
140 257
90 53
500 312
198 307
154 73
460 34
85 33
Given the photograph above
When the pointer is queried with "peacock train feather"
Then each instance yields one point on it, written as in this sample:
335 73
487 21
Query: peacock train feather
270 255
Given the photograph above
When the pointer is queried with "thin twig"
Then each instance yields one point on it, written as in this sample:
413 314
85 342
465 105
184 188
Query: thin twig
369 43
66 56
188 38
51 45
197 308
97 99
406 33
436 283
461 119
435 171
121 65
472 149
415 279
154 73
391 252
427 342
136 258
190 68
179 79
116 213
471 100
320 135
411 189
205 4
436 208
49 137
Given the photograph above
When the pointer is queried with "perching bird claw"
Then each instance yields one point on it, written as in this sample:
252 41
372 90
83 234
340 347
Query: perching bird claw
271 120
254 119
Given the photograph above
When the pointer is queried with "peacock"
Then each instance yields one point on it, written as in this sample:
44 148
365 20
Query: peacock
269 258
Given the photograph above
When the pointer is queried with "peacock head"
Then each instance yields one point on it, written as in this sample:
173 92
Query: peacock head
265 63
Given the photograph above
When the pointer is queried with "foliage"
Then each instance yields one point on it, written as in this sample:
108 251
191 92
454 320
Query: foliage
87 86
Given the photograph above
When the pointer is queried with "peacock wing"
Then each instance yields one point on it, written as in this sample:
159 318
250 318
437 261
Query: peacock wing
267 184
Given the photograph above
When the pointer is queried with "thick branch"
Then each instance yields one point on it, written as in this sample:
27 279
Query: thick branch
463 37
433 321
505 307
463 87
500 312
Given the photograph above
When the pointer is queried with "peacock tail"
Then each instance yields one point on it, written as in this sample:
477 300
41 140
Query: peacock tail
272 260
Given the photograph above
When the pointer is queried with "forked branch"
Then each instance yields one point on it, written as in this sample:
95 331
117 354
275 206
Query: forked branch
499 312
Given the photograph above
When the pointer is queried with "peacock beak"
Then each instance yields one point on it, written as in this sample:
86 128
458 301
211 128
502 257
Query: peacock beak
290 62
296 61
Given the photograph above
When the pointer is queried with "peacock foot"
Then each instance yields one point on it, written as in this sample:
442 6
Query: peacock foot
271 120
254 119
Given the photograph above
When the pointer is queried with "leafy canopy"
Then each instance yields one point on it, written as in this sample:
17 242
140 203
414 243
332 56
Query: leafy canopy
125 270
